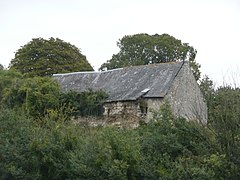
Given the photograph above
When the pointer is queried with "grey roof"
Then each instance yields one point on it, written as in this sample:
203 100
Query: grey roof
125 83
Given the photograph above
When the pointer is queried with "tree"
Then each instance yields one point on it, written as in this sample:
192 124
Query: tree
34 95
89 103
207 87
42 57
8 79
142 49
224 118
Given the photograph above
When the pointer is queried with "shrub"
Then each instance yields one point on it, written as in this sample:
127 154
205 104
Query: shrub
88 103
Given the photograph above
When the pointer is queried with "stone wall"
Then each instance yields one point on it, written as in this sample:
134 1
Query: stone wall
129 121
153 104
185 96
120 108
141 109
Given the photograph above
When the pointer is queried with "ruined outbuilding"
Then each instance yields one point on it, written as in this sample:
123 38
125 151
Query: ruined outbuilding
138 90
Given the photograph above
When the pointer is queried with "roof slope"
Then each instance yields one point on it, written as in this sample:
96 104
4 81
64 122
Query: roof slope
125 83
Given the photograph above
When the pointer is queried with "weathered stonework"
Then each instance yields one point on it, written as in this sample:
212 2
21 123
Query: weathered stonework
140 109
185 96
120 108
154 104
134 92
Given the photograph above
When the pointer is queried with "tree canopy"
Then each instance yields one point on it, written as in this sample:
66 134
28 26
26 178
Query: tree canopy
41 57
142 49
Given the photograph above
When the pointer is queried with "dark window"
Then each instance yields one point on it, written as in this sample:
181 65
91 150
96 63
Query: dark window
143 108
108 112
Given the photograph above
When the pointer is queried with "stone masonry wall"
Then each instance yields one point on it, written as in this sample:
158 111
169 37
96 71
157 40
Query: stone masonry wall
120 108
141 109
186 98
153 104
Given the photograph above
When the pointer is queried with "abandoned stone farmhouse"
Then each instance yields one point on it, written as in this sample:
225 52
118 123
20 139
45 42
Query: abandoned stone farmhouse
138 90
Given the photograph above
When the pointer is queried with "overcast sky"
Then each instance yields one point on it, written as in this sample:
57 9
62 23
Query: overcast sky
210 26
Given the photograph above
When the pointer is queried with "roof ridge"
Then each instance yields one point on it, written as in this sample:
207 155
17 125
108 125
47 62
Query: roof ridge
117 69
175 75
154 64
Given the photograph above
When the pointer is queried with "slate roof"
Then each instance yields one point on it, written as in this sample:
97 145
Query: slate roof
125 83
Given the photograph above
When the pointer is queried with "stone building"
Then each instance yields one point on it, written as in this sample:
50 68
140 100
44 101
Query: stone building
137 90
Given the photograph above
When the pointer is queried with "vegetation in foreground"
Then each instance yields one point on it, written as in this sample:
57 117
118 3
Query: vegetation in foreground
167 148
41 142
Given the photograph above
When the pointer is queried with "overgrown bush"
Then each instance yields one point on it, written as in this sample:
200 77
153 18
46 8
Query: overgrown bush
172 148
8 79
166 148
107 154
16 159
33 95
39 96
87 103
225 121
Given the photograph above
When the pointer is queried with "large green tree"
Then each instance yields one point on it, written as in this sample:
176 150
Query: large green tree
142 49
41 57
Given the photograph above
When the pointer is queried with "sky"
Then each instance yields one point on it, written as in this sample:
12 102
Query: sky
212 27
